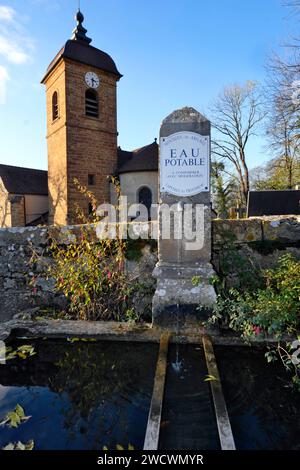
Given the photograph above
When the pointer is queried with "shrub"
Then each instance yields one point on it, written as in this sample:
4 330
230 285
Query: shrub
273 308
91 273
91 276
235 267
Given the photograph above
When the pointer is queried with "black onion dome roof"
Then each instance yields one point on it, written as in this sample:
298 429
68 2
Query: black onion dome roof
78 48
85 54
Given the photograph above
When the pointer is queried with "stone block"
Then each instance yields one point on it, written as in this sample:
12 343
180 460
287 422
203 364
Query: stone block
282 229
236 231
176 300
180 256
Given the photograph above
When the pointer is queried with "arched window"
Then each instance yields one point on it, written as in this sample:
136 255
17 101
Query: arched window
54 106
91 103
145 197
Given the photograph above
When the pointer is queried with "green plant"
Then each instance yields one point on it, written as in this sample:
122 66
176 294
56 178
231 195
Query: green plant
131 315
119 447
92 278
84 340
210 378
14 418
22 352
134 248
235 267
284 351
273 308
19 445
90 272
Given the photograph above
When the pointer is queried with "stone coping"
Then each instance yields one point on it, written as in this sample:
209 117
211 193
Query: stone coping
246 230
114 331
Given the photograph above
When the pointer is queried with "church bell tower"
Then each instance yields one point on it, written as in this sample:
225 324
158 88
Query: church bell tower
81 85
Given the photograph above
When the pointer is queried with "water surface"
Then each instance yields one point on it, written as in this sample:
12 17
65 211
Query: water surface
80 395
264 409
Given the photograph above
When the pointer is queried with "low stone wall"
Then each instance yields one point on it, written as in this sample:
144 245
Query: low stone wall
281 229
263 239
242 246
18 245
16 271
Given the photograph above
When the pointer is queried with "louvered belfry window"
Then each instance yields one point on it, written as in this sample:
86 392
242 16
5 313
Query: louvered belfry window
54 106
91 103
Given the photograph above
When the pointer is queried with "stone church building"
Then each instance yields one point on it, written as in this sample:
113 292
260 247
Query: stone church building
81 96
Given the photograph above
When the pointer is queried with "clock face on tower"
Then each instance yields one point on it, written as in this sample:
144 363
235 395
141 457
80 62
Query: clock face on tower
92 80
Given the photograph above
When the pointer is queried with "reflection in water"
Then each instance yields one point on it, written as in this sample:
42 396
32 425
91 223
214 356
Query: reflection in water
80 395
188 419
89 395
264 410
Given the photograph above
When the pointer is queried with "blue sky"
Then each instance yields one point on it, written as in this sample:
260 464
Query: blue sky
172 53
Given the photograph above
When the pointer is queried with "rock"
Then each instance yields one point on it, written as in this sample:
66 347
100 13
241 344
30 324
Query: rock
282 229
27 314
236 230
9 284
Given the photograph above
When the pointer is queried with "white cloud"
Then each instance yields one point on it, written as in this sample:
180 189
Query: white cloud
7 13
12 51
15 43
3 79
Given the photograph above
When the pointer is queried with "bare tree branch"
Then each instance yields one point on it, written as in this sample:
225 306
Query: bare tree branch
235 116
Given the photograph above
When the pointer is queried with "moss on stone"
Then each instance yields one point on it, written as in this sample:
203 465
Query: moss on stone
134 248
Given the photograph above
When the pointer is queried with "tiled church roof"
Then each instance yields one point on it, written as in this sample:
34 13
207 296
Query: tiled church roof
142 159
19 180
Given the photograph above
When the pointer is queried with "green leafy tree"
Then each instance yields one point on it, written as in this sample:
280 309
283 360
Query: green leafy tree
221 189
279 173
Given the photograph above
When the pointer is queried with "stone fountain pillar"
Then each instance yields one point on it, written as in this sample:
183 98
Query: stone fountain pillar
184 187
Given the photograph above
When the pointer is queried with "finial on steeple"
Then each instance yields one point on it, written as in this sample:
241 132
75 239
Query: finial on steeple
79 33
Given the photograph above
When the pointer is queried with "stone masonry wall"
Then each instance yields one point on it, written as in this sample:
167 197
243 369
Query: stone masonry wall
79 145
255 243
17 204
263 239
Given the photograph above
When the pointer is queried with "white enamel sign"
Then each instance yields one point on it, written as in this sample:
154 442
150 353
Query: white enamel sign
184 164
